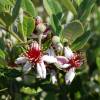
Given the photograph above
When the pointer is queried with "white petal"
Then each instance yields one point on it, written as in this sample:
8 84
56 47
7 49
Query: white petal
43 70
49 59
68 52
51 52
20 60
65 66
69 76
39 70
27 67
53 77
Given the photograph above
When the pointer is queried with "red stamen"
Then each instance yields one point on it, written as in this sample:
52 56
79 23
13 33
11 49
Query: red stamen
75 61
34 53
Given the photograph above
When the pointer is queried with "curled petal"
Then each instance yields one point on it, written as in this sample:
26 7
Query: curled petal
27 67
39 70
53 77
21 60
62 60
69 76
49 59
43 70
68 52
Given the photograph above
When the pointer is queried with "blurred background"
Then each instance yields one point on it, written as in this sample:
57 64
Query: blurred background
86 85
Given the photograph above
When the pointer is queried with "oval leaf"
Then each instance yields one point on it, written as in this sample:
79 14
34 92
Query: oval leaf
52 7
6 18
2 54
98 62
16 9
55 24
73 30
27 27
85 9
81 41
68 4
28 6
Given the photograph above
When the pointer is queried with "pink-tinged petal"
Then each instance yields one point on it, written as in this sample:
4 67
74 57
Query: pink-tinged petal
62 60
69 76
43 67
27 67
39 70
49 59
53 77
68 52
20 60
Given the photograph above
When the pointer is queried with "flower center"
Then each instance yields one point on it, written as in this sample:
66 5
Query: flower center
75 61
34 53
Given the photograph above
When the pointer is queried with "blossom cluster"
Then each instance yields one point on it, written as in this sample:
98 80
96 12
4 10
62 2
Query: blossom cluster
56 57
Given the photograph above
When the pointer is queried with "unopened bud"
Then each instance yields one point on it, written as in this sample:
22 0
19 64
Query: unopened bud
55 40
38 20
40 28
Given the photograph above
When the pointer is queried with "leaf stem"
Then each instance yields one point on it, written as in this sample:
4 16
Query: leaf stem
3 89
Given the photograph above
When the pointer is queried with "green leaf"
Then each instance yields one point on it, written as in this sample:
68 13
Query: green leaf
98 62
68 4
78 2
6 18
3 63
28 6
28 25
26 28
52 7
16 9
73 30
85 9
28 90
82 40
2 54
55 24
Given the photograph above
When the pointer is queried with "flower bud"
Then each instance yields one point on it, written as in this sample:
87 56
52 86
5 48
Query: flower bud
40 28
55 40
38 20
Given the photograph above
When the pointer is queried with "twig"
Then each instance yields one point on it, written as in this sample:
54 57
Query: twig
3 89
